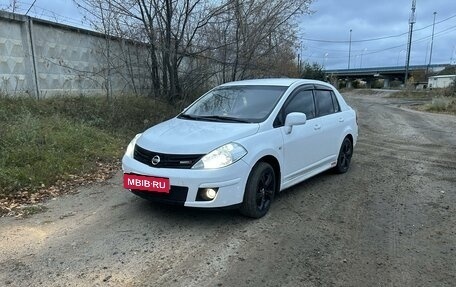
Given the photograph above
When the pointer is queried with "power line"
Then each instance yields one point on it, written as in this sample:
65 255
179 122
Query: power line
375 39
436 35
353 41
30 7
316 51
47 14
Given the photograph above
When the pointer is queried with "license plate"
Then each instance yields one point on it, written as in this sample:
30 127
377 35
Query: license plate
146 183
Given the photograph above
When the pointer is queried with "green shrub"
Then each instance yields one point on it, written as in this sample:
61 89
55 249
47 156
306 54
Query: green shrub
451 90
438 104
377 84
42 141
442 104
37 151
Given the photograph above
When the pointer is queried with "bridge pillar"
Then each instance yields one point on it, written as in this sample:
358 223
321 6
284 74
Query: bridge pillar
334 80
386 83
349 84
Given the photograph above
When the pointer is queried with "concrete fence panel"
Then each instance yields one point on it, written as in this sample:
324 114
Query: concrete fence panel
41 59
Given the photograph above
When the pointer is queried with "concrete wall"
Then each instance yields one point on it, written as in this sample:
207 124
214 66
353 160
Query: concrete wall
15 57
43 59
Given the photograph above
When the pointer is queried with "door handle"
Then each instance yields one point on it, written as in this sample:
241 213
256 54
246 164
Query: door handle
317 127
341 120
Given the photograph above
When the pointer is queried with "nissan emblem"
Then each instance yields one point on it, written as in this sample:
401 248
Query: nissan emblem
156 160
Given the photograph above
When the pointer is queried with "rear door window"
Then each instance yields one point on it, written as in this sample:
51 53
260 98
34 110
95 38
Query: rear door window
324 101
335 103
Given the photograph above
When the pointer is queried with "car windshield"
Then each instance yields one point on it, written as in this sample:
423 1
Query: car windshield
251 104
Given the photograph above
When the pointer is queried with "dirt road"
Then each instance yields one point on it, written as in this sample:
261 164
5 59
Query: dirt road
390 221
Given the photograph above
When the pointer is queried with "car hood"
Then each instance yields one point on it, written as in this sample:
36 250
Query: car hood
182 136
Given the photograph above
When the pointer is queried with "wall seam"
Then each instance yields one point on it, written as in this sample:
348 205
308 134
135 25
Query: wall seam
32 47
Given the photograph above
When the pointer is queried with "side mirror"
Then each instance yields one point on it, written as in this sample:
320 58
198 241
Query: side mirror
294 119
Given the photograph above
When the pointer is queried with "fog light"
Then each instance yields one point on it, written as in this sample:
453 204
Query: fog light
206 194
210 193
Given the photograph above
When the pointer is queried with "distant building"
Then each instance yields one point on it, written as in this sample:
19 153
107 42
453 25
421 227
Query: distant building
443 81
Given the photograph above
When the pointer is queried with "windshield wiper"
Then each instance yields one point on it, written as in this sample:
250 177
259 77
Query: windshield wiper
213 118
190 117
224 119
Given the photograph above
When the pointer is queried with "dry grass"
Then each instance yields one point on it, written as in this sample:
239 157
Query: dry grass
46 141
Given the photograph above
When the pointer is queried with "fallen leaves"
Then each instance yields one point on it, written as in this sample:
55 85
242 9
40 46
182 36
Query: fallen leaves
18 204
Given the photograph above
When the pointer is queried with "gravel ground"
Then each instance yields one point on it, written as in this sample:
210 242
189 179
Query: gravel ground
389 221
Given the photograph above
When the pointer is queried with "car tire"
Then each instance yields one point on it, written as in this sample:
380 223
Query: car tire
345 155
259 191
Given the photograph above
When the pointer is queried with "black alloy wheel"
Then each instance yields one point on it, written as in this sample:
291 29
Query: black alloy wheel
259 191
345 155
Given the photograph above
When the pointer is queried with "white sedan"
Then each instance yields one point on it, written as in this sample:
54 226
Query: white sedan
241 143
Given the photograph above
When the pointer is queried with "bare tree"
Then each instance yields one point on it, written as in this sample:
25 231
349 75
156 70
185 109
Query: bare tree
263 28
194 41
256 38
14 5
169 28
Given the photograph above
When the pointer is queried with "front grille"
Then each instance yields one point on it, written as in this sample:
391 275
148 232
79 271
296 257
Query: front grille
177 195
183 161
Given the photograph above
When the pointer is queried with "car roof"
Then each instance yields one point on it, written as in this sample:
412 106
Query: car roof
285 82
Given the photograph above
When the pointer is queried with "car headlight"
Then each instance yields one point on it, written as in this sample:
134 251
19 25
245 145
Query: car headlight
131 146
221 157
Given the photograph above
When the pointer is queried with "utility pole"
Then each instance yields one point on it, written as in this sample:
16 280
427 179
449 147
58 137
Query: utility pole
349 49
409 45
432 44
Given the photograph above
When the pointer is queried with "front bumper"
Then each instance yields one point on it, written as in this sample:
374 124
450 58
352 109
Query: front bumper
230 181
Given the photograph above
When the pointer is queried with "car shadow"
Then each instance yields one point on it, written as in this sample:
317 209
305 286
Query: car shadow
202 216
308 184
181 214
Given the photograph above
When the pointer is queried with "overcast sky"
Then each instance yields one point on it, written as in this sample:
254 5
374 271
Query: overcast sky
325 33
333 19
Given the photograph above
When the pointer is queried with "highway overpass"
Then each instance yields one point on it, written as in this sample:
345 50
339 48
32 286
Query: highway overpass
388 74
